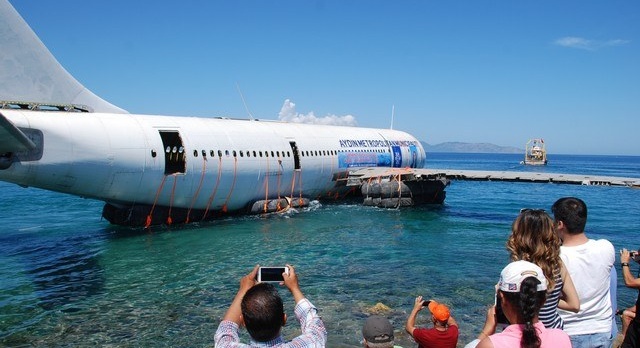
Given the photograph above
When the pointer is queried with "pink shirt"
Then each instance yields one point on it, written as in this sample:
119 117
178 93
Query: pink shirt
512 334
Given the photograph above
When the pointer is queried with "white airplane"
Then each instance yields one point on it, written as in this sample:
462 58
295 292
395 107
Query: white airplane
57 135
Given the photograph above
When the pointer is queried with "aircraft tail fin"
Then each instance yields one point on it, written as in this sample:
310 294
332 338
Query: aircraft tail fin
12 139
30 73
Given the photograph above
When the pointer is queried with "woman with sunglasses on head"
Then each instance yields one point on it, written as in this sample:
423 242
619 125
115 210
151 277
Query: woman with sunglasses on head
533 238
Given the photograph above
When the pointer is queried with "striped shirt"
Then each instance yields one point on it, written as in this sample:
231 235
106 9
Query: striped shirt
549 312
314 334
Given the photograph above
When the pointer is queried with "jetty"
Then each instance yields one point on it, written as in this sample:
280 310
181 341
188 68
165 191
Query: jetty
357 177
515 176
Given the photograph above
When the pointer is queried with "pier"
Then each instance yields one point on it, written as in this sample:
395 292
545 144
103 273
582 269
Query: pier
411 174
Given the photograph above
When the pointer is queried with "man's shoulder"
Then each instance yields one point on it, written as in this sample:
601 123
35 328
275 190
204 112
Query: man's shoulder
604 245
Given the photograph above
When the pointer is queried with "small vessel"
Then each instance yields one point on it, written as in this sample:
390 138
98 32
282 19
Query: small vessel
535 152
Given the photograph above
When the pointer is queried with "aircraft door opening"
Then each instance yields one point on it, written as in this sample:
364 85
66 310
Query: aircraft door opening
296 155
174 153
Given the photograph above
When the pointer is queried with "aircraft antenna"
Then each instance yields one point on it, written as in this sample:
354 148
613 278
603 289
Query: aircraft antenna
243 102
393 110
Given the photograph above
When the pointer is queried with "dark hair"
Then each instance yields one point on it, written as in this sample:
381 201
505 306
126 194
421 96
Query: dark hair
263 312
572 212
528 303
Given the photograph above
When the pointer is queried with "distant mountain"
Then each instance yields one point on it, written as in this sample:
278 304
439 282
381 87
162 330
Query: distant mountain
455 146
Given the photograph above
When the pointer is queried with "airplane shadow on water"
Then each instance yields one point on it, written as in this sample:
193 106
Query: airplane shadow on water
64 271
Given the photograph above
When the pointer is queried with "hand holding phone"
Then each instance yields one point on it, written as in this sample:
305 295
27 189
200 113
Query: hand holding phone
271 274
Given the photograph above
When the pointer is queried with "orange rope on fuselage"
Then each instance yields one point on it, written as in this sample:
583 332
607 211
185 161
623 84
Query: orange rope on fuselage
215 189
266 188
278 207
149 218
173 192
233 184
193 201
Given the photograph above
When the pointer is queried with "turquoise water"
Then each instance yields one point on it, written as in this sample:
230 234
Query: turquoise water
68 278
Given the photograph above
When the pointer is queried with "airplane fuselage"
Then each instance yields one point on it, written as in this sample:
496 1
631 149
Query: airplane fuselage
212 164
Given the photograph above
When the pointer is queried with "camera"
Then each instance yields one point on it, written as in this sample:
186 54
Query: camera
501 319
271 274
425 303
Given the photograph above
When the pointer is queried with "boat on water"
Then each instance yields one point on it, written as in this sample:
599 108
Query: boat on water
535 152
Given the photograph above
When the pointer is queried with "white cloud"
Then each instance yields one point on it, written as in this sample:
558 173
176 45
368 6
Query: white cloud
589 45
288 113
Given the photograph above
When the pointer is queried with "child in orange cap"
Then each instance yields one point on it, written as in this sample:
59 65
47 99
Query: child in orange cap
444 332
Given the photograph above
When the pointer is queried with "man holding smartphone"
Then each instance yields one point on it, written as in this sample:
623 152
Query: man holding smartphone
443 334
632 336
259 308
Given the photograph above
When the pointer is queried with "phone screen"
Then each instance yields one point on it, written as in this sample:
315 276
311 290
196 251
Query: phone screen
500 317
271 274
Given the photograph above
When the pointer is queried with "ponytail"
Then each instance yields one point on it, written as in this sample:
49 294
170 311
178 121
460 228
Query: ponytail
529 308
528 302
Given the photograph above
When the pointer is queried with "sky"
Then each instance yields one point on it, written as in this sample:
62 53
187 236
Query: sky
497 72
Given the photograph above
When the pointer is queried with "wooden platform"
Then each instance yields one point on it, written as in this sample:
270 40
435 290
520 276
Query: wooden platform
482 175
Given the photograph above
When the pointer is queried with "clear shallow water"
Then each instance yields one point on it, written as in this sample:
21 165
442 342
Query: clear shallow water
67 278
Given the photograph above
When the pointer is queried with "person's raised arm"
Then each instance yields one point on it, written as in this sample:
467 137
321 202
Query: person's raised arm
234 313
629 280
291 282
488 329
411 320
569 300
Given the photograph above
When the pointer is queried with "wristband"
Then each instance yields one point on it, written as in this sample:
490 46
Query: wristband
624 264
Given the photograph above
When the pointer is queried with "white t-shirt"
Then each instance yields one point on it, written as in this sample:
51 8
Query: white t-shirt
590 266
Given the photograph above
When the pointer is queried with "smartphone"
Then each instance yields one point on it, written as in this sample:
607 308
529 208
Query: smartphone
271 274
425 303
500 317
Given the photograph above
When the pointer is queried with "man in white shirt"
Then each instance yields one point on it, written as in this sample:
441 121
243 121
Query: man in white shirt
589 263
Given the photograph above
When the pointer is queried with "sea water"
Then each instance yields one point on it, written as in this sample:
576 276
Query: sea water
69 279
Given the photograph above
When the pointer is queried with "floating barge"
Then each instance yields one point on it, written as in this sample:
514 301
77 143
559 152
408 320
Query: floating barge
396 187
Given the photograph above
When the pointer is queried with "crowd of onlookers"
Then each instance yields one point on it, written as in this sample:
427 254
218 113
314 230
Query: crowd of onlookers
559 290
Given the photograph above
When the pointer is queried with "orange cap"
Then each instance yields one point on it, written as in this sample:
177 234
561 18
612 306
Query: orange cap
439 311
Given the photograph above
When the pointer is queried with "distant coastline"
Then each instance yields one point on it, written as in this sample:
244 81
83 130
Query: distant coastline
461 147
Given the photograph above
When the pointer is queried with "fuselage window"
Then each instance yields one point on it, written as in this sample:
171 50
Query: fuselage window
260 153
266 154
277 153
288 154
212 153
226 153
254 154
235 154
204 153
220 153
195 153
272 154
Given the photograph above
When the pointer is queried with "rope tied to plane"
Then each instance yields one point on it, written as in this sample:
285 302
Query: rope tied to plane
149 217
233 184
215 189
193 201
173 191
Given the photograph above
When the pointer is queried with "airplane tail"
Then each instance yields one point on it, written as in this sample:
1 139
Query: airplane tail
30 73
